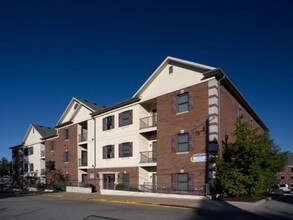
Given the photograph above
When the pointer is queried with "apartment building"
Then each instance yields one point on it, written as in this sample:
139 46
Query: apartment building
67 149
28 158
160 139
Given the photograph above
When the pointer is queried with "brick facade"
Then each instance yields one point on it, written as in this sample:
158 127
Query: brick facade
61 145
170 124
230 110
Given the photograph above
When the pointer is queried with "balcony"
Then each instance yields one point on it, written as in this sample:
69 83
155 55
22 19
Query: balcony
148 122
148 157
82 162
42 154
82 137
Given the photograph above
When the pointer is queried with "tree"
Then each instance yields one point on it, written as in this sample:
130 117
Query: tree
249 165
4 167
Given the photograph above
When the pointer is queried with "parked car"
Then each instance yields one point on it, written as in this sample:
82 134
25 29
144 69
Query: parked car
284 187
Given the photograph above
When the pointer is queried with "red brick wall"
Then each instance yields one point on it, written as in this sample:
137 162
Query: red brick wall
170 124
61 145
229 112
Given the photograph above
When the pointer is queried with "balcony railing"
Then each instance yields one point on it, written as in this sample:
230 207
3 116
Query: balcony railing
82 162
82 137
148 157
147 122
42 153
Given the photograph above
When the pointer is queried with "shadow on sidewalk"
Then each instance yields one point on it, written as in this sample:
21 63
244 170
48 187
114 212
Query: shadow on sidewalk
223 210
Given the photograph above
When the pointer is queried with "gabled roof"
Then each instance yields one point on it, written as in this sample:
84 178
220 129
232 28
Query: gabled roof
115 106
172 61
45 131
91 106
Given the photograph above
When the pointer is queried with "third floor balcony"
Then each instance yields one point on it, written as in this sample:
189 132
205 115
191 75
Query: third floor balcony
148 122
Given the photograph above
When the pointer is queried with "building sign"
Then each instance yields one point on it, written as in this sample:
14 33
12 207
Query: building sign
197 158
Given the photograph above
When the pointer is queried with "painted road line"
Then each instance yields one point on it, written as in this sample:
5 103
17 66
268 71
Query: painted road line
128 202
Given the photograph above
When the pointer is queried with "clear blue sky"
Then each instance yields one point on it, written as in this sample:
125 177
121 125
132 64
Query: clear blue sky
103 51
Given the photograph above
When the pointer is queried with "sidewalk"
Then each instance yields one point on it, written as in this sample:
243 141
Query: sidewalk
135 200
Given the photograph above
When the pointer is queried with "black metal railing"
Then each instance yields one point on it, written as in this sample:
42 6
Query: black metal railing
195 190
82 162
148 157
82 137
148 122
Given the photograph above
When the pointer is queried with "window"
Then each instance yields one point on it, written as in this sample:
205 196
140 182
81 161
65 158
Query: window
291 185
125 149
108 152
282 177
66 134
182 142
30 150
31 167
170 69
126 179
66 157
108 123
125 118
291 169
52 145
183 103
291 177
182 181
75 106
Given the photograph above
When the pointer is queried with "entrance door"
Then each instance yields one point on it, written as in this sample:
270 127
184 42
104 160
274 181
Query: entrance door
84 179
83 158
108 181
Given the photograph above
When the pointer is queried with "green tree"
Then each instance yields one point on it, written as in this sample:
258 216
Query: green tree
249 165
4 167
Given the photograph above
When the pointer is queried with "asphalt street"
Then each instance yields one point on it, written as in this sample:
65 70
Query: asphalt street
44 207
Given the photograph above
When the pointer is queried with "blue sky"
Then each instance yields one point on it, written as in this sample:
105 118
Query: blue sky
103 51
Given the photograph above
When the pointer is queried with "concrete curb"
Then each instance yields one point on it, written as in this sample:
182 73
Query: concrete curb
129 202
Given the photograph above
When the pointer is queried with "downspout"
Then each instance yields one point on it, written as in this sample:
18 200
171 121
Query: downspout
95 156
219 109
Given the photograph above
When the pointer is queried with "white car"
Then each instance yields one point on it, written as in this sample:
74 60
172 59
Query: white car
284 187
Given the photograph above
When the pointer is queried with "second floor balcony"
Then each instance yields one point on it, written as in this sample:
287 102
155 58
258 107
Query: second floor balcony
82 137
148 157
82 162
